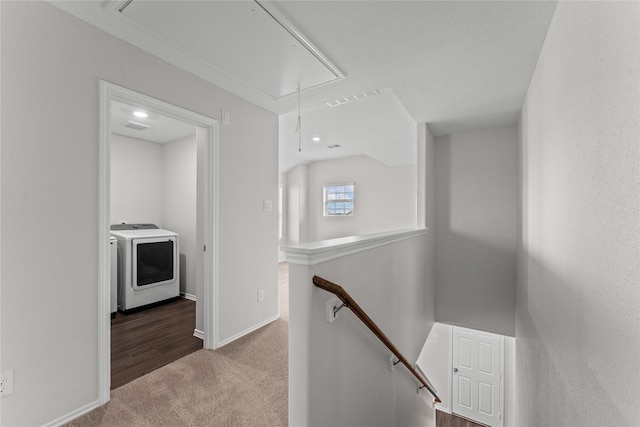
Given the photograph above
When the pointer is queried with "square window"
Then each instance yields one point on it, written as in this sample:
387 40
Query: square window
338 200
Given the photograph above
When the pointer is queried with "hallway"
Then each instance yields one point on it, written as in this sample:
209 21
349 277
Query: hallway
244 383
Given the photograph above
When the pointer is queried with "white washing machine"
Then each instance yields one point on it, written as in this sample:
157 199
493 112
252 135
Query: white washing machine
148 265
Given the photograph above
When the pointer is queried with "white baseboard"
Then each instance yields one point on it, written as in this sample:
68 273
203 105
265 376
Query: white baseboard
73 414
198 334
190 297
248 331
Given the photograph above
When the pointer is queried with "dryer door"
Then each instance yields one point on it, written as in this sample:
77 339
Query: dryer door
154 262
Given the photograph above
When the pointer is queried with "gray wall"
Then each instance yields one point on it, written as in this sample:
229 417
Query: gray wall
578 310
476 215
51 66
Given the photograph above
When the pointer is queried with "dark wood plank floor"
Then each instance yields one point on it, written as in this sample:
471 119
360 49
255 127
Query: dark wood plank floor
145 341
452 420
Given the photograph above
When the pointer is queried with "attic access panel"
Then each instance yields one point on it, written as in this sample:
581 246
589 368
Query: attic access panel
249 40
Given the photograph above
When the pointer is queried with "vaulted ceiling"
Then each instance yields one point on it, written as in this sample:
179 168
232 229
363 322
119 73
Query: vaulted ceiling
459 66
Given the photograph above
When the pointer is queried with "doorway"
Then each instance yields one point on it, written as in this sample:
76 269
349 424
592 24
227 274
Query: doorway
206 222
477 385
476 351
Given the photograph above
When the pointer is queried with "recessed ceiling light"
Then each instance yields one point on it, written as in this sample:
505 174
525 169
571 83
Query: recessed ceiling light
140 114
316 139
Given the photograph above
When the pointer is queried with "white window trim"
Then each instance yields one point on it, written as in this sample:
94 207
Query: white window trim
324 201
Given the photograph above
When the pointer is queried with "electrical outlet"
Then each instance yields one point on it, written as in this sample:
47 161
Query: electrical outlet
6 383
260 295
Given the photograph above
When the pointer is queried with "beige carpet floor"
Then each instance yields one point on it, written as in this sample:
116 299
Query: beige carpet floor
242 384
245 383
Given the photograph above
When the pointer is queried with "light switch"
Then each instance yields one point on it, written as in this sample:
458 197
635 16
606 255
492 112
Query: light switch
267 205
226 117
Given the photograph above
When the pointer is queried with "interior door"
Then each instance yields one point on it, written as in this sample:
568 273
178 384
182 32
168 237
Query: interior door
477 376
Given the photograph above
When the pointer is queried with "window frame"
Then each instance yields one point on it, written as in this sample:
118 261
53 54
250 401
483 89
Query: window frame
326 201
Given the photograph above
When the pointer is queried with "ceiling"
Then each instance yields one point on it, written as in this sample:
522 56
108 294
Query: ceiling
154 127
459 66
376 125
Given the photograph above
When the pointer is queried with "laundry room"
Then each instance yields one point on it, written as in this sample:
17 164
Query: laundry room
154 199
154 179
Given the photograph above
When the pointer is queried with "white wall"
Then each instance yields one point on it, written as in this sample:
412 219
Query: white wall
282 181
435 361
476 222
385 197
202 156
156 183
426 175
578 310
179 201
509 382
136 181
51 66
339 372
297 185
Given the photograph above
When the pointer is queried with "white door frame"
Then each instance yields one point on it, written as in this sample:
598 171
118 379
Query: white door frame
109 92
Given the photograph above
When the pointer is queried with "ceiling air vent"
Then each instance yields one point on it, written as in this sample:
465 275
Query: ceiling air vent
135 125
334 146
352 98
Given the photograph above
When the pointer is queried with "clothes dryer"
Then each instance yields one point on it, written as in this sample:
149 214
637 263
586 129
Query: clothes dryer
148 265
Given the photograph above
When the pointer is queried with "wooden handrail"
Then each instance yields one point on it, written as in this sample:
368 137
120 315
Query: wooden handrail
350 303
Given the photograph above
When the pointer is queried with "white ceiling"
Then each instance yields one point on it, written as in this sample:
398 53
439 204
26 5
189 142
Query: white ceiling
456 65
376 125
241 38
160 129
459 66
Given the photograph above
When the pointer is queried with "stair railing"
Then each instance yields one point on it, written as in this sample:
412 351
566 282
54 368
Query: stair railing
349 302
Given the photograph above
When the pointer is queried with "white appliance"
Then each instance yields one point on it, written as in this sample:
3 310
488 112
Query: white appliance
113 255
148 265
